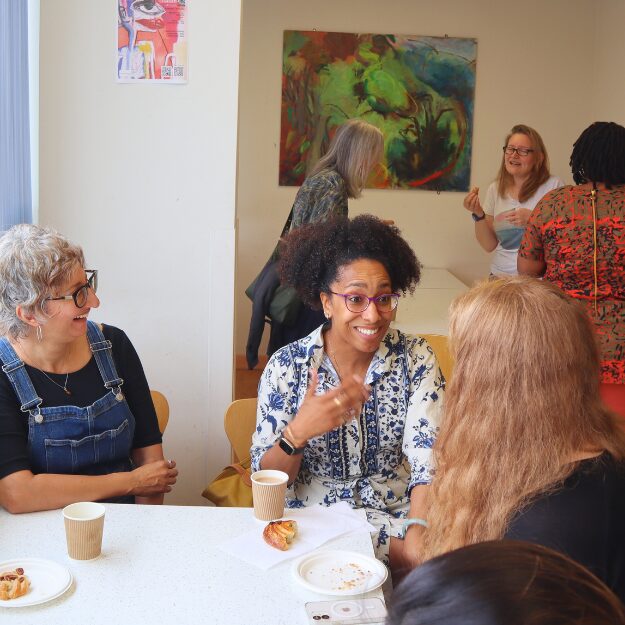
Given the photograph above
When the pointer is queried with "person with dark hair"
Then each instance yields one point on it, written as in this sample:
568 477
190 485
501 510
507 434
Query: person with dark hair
350 411
503 583
576 239
522 180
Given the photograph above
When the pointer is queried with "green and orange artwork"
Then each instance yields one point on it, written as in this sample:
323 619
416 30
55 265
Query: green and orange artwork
417 90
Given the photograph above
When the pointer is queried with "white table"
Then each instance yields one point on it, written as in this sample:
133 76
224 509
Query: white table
161 565
427 311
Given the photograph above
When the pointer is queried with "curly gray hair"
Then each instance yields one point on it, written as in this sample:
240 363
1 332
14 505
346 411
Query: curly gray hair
34 261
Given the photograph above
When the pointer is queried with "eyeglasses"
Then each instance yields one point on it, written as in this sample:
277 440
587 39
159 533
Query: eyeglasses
360 303
81 294
508 149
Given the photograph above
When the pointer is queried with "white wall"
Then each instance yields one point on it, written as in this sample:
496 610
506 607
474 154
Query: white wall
143 177
532 60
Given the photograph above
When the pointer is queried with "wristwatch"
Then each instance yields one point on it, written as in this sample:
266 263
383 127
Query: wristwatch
288 448
476 218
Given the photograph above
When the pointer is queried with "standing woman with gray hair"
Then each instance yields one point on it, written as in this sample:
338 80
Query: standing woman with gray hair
78 422
341 173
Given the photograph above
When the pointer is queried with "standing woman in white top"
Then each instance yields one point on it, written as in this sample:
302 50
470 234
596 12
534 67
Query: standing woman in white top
522 181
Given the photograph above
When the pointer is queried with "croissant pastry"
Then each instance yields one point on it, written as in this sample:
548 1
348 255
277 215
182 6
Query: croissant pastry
280 534
13 584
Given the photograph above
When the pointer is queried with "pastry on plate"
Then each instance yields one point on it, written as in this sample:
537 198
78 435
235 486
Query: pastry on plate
13 584
280 534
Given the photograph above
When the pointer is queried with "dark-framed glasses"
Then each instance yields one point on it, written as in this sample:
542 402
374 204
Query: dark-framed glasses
81 294
508 149
359 303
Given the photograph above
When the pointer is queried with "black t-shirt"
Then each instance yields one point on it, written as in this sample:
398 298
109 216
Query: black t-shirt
86 386
585 519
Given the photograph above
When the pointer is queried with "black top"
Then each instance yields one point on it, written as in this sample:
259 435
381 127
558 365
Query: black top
584 519
86 386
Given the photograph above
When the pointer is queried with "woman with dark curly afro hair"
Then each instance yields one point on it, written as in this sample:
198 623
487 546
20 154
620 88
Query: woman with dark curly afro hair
575 238
350 411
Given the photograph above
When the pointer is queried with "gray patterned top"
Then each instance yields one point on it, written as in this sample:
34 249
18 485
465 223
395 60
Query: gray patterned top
322 195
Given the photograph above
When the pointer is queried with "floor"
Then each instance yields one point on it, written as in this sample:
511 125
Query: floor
246 381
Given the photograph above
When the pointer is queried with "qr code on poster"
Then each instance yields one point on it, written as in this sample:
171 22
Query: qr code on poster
178 71
166 71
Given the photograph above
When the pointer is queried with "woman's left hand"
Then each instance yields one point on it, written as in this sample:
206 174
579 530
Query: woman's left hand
518 217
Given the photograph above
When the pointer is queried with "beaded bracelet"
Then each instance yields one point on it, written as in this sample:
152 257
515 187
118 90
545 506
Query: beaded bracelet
409 523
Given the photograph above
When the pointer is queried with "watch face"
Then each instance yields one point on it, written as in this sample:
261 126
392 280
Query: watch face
286 447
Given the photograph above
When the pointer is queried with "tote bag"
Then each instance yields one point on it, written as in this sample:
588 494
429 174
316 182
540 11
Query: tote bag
232 488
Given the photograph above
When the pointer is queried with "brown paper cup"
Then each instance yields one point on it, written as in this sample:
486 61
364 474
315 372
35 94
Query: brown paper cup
84 525
268 490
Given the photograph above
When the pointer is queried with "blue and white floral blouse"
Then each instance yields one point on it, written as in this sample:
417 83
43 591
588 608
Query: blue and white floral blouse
373 461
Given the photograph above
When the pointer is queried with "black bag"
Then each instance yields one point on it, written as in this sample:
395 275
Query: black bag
285 304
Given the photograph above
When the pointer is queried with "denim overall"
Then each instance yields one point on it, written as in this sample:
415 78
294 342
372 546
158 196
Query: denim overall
94 440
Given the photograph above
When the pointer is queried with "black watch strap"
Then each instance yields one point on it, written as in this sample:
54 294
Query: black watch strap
477 218
288 448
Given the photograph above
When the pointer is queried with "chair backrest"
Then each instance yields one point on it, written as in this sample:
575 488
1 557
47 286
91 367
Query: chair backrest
240 423
161 405
438 343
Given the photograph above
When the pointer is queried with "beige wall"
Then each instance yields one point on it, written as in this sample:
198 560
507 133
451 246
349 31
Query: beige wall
530 60
606 82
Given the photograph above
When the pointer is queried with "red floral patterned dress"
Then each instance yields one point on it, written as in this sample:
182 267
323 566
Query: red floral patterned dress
560 233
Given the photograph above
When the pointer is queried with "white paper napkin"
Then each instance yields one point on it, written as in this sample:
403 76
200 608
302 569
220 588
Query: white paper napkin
316 525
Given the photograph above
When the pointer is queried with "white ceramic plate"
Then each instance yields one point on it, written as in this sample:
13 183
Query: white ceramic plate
341 573
48 580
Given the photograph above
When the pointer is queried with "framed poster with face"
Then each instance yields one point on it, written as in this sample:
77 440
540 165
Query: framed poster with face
151 41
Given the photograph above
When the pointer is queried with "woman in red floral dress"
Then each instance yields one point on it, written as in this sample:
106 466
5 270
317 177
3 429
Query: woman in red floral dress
575 238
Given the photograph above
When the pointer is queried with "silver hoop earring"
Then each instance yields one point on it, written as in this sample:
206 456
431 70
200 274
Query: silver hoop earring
39 333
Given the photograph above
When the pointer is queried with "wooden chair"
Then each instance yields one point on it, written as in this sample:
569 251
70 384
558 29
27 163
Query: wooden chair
438 343
239 424
161 405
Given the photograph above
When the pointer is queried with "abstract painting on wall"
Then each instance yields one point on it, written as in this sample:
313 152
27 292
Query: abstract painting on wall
151 41
418 90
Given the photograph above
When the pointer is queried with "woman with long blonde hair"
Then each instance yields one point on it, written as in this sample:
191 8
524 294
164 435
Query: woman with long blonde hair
526 449
522 180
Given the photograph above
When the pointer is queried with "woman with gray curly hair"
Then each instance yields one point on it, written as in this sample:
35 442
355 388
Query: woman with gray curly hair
78 422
